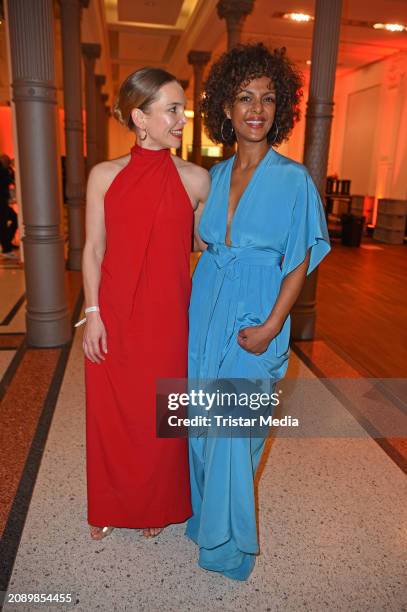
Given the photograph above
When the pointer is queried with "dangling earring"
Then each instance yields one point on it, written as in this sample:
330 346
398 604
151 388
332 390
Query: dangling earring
145 134
275 137
222 135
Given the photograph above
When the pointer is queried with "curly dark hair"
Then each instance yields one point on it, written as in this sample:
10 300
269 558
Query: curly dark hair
235 69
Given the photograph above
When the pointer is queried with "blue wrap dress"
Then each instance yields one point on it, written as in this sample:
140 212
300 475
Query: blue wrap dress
278 218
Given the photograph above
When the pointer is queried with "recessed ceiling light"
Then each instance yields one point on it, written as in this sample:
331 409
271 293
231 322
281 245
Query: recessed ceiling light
390 27
298 17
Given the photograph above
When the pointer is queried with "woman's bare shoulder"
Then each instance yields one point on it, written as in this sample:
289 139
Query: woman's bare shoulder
197 178
102 174
190 168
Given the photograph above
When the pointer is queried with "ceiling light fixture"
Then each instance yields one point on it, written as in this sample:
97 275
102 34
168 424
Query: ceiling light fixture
298 17
390 27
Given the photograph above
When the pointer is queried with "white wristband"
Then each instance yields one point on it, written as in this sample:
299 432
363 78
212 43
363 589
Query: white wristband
92 309
89 309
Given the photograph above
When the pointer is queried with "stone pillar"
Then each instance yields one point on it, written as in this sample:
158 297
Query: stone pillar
234 12
106 118
100 80
75 160
198 60
319 115
32 51
184 84
90 52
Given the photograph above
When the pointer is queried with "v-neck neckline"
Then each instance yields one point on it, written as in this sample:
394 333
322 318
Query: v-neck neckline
243 195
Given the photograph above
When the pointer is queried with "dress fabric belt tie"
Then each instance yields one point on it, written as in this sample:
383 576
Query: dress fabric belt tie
225 259
224 255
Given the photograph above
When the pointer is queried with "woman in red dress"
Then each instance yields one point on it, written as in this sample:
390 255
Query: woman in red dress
137 286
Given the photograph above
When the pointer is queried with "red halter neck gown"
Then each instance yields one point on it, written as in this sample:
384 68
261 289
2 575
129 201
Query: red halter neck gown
134 478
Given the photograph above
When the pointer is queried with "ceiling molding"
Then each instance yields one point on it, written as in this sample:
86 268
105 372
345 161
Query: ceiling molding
131 28
308 40
132 62
202 33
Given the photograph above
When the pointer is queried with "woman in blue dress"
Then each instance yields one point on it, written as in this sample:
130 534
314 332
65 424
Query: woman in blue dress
265 230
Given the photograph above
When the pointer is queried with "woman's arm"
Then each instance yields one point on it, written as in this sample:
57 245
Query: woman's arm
308 230
289 292
198 184
94 339
257 339
199 244
203 185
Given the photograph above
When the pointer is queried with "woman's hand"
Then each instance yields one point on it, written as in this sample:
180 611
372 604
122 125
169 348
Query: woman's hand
94 338
256 339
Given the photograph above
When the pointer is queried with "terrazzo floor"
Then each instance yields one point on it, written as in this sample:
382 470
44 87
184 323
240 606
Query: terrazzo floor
12 287
332 530
12 297
5 360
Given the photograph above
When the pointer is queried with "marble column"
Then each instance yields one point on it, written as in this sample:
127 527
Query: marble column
75 160
198 60
234 12
100 80
319 115
32 52
184 84
90 52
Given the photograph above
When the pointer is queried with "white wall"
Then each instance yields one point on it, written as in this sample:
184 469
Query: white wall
368 141
360 139
369 129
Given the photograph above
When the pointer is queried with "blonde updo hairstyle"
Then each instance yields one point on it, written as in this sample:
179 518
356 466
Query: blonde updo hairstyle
139 90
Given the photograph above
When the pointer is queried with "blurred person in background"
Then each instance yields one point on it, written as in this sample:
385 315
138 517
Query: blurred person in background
8 216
